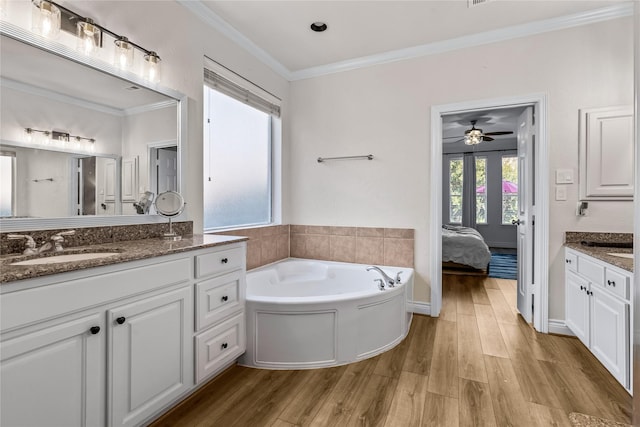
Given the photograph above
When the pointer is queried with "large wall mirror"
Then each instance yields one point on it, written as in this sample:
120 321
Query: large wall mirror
81 145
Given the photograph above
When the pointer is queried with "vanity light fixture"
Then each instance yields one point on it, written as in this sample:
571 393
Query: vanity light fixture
90 37
123 57
152 67
45 19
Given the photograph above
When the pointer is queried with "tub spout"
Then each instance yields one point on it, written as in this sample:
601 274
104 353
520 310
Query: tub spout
388 280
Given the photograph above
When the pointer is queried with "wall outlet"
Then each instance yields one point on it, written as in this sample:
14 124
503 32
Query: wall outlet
561 193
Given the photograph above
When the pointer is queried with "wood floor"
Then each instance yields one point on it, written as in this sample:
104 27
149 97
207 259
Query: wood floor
478 364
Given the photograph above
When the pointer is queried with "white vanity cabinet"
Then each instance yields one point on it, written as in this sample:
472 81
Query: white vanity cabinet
117 345
598 310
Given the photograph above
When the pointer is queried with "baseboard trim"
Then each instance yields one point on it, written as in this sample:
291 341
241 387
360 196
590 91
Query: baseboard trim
559 327
420 307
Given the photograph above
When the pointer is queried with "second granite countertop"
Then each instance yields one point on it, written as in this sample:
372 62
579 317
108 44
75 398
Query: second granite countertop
125 251
602 253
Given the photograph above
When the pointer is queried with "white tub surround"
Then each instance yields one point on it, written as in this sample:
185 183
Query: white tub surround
304 314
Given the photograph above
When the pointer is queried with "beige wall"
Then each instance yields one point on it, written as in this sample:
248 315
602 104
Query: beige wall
385 110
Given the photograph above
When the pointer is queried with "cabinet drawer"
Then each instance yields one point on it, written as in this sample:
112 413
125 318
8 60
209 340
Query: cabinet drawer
617 283
219 262
219 345
592 271
219 297
571 261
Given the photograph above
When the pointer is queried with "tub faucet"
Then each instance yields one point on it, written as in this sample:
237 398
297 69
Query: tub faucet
388 280
380 284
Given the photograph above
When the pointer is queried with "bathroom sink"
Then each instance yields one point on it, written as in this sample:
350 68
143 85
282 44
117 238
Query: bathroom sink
628 256
56 259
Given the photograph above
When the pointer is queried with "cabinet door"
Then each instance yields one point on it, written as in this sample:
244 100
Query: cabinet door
606 153
55 376
577 306
151 355
609 333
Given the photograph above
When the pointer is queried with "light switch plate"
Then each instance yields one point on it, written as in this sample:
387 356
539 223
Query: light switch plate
561 193
564 176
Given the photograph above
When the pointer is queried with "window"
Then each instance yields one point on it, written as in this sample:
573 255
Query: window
238 136
481 190
509 189
7 184
456 177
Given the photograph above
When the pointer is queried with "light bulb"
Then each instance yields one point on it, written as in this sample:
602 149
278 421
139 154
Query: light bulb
89 36
152 67
123 55
45 19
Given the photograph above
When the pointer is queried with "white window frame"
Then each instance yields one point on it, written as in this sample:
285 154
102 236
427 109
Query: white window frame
256 93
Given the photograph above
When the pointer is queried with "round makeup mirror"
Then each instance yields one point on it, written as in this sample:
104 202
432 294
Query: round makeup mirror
170 204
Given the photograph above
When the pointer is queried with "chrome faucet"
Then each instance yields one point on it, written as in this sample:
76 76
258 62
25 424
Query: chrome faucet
55 245
387 279
30 245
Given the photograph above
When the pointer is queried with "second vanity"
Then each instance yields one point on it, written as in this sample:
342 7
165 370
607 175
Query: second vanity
598 304
119 344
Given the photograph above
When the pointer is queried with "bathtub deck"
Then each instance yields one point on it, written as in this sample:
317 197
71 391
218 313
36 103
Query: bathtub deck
477 364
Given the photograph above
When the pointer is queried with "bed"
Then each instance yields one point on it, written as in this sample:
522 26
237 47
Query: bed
464 247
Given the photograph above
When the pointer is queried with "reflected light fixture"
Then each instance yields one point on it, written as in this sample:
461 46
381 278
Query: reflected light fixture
123 57
473 137
45 19
46 137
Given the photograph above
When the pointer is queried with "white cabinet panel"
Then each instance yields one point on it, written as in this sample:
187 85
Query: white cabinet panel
55 376
219 345
577 306
606 153
151 356
129 179
219 297
610 332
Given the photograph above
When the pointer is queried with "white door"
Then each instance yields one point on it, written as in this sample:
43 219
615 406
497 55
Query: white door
167 164
525 213
151 355
55 376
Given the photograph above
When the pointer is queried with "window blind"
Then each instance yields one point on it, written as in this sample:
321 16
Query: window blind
240 93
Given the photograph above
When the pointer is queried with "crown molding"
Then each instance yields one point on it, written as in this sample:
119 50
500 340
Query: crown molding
215 21
150 107
532 28
616 11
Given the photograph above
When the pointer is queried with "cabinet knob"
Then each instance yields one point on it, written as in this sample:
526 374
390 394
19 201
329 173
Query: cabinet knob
613 283
224 260
224 298
94 329
121 320
582 288
224 345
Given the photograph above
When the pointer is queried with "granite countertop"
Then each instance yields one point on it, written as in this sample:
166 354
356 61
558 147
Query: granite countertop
602 253
126 251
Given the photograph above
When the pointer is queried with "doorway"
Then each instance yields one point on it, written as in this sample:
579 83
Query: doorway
163 167
534 279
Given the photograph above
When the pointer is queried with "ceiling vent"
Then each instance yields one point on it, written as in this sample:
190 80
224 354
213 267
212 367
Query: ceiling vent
471 3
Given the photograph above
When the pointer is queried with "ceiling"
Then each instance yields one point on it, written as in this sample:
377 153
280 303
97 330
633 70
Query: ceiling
496 120
356 29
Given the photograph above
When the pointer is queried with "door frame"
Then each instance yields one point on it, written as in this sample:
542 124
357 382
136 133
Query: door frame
541 213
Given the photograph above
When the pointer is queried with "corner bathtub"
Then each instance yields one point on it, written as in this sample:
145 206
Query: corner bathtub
304 314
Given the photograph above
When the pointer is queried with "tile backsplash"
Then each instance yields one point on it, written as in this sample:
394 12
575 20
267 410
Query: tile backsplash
363 245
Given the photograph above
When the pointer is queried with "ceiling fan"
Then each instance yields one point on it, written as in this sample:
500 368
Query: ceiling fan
475 136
